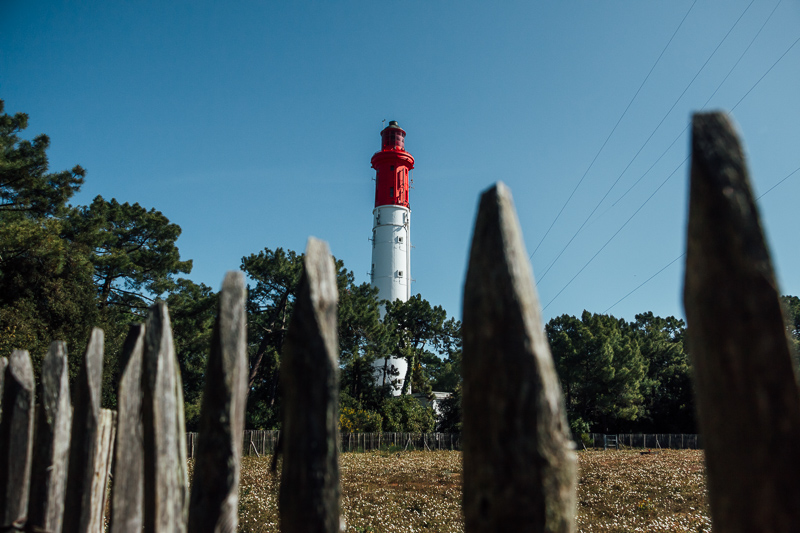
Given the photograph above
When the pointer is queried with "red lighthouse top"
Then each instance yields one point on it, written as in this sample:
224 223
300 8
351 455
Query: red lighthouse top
392 165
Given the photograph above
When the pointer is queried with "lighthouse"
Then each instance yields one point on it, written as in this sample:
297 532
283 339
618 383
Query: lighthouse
391 238
391 217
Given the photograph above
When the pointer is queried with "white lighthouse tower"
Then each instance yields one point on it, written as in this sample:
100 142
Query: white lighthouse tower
391 237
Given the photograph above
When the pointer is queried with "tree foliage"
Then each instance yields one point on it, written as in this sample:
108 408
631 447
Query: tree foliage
619 376
64 269
132 249
26 186
669 398
405 413
192 311
414 330
450 418
269 306
602 370
791 307
421 334
46 291
45 282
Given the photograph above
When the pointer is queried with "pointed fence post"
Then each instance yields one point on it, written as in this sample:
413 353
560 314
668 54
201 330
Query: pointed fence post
309 496
16 440
128 488
51 451
747 394
165 481
214 503
519 466
78 510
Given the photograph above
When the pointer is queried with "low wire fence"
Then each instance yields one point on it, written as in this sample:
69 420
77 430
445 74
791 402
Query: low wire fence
363 442
264 442
674 441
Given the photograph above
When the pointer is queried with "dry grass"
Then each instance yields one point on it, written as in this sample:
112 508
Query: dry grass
627 491
421 491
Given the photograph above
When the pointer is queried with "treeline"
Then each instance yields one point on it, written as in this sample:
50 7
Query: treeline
420 333
620 376
65 269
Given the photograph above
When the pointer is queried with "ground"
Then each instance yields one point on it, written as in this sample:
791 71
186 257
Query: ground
385 492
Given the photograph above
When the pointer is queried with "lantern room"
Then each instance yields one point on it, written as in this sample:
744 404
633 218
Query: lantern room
392 166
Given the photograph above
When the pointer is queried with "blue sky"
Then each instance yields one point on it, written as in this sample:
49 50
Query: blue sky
251 125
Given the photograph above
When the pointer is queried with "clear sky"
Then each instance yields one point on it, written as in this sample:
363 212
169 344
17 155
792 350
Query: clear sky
251 125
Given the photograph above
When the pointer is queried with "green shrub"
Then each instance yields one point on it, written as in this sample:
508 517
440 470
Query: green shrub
406 414
359 421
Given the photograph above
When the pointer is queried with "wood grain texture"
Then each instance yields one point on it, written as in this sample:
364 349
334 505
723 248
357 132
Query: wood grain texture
51 448
16 440
83 444
3 366
104 451
747 394
214 503
165 483
127 497
309 499
519 465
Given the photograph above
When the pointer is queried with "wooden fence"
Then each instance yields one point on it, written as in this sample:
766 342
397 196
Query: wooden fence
56 459
519 460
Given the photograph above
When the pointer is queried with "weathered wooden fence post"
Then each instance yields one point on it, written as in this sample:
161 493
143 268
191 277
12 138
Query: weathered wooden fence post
519 467
309 494
128 489
747 394
3 366
51 450
16 440
214 503
78 512
165 483
104 452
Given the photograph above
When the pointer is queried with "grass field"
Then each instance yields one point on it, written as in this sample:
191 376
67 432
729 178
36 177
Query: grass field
421 491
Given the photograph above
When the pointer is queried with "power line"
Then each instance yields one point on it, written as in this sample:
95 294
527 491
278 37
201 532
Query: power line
730 71
616 233
645 281
765 74
685 129
675 103
743 54
795 171
676 169
613 129
662 269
